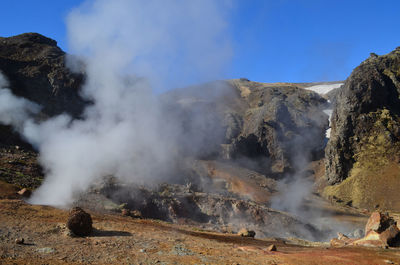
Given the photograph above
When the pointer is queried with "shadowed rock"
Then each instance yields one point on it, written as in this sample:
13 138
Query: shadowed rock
79 222
373 85
36 70
380 231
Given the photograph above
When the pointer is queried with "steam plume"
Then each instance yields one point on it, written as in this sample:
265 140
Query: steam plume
14 111
128 48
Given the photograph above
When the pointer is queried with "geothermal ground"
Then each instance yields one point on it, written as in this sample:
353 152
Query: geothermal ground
124 240
119 239
226 172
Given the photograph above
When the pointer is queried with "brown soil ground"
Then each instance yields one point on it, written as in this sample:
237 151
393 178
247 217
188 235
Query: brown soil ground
124 240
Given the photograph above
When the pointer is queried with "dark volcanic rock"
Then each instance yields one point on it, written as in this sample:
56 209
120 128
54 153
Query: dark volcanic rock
36 69
79 222
370 93
270 124
178 203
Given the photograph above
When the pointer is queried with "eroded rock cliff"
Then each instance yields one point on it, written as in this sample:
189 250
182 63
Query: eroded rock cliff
362 154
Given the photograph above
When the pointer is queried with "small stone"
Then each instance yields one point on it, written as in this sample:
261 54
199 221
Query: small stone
246 233
24 192
19 241
136 214
358 233
272 248
342 236
125 212
46 250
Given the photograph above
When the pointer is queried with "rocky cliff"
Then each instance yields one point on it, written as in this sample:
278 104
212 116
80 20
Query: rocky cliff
362 154
35 68
275 128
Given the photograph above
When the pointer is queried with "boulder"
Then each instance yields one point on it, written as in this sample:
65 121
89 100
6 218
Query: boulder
379 222
79 222
390 235
341 241
381 231
24 192
246 233
371 239
272 248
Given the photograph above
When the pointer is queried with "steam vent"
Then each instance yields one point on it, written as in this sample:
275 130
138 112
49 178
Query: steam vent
131 137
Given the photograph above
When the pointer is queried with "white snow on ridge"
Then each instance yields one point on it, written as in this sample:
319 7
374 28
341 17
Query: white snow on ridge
323 89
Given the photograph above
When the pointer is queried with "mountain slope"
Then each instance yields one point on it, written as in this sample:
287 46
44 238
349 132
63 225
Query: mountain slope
363 152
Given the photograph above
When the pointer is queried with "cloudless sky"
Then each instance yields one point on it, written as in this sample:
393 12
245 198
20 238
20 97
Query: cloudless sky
273 40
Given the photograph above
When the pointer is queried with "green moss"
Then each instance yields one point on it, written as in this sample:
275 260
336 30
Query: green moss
375 175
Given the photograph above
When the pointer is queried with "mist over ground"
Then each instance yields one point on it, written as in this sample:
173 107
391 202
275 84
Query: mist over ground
131 50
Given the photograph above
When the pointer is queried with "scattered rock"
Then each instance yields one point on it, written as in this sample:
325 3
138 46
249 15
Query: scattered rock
371 239
390 235
25 192
342 236
272 248
79 222
343 241
46 250
358 233
378 222
381 231
181 250
125 212
246 233
388 261
19 241
136 214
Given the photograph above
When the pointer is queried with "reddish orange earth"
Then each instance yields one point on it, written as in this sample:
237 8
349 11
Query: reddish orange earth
123 240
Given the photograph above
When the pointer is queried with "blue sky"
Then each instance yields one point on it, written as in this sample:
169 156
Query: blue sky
273 40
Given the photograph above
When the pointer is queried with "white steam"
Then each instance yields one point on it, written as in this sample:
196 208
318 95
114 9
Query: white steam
128 48
14 111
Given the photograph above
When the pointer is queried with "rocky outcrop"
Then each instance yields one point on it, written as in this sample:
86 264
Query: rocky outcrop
381 230
363 151
221 211
273 125
371 91
35 68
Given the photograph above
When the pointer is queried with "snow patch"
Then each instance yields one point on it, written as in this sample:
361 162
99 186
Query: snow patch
323 89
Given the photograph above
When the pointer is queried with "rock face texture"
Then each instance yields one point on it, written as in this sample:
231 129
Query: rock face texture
381 230
363 151
36 69
273 125
221 211
79 222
